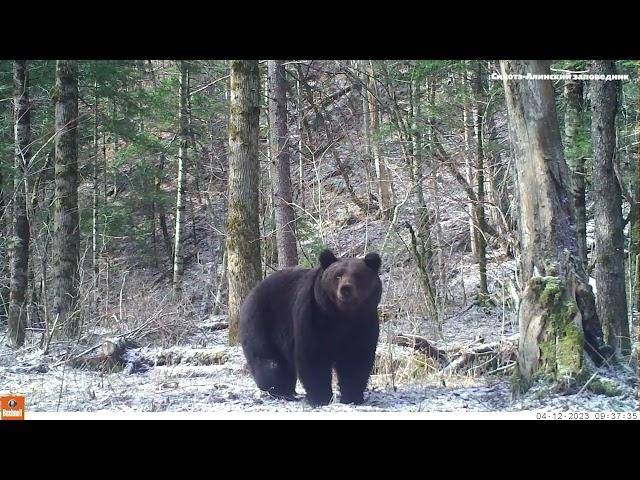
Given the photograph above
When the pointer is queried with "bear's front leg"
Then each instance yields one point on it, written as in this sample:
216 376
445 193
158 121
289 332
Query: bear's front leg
314 372
354 366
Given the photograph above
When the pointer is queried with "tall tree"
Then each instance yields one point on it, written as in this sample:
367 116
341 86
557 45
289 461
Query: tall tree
557 315
66 230
385 198
243 227
479 214
4 262
279 144
178 260
573 119
467 117
637 221
611 297
20 246
94 199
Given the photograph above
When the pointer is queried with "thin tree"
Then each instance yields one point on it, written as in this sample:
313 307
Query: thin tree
382 173
20 245
611 297
280 157
178 260
557 314
66 230
243 228
94 200
478 211
4 262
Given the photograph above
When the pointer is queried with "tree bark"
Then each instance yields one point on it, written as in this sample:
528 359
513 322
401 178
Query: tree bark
96 191
178 260
66 232
480 219
557 314
467 116
5 268
382 173
638 226
243 231
573 90
611 297
20 247
280 156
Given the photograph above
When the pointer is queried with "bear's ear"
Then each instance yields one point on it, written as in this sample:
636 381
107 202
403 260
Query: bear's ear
373 261
327 258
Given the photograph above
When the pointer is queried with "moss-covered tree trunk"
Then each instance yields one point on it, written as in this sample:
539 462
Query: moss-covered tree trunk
279 145
20 244
557 315
66 230
178 260
243 227
573 124
611 297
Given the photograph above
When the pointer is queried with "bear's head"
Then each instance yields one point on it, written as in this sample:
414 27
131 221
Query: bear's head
351 283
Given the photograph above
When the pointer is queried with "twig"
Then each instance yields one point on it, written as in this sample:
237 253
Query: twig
584 387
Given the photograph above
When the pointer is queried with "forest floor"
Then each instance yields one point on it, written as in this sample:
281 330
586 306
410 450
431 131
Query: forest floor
192 385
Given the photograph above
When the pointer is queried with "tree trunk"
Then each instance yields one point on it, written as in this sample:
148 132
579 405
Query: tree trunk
66 230
467 116
611 297
4 256
638 227
480 219
178 260
279 144
20 247
94 208
243 227
382 173
557 314
573 90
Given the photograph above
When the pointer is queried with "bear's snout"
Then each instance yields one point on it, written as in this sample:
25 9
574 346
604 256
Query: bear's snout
346 291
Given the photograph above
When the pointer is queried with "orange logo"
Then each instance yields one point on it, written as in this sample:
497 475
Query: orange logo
12 407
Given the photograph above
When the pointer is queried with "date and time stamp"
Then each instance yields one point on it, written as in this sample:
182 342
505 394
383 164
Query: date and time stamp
587 415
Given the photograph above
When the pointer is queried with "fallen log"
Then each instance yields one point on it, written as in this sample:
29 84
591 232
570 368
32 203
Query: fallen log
422 345
500 352
214 326
195 357
475 355
114 354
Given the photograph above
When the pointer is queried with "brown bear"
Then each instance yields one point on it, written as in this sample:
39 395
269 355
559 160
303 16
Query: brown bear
302 323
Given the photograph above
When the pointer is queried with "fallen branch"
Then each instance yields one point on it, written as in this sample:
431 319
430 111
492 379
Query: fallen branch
422 345
116 354
215 326
469 355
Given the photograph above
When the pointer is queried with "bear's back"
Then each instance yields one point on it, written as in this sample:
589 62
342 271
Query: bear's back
271 301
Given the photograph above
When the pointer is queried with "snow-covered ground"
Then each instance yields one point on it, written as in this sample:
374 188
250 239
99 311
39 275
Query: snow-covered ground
228 387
